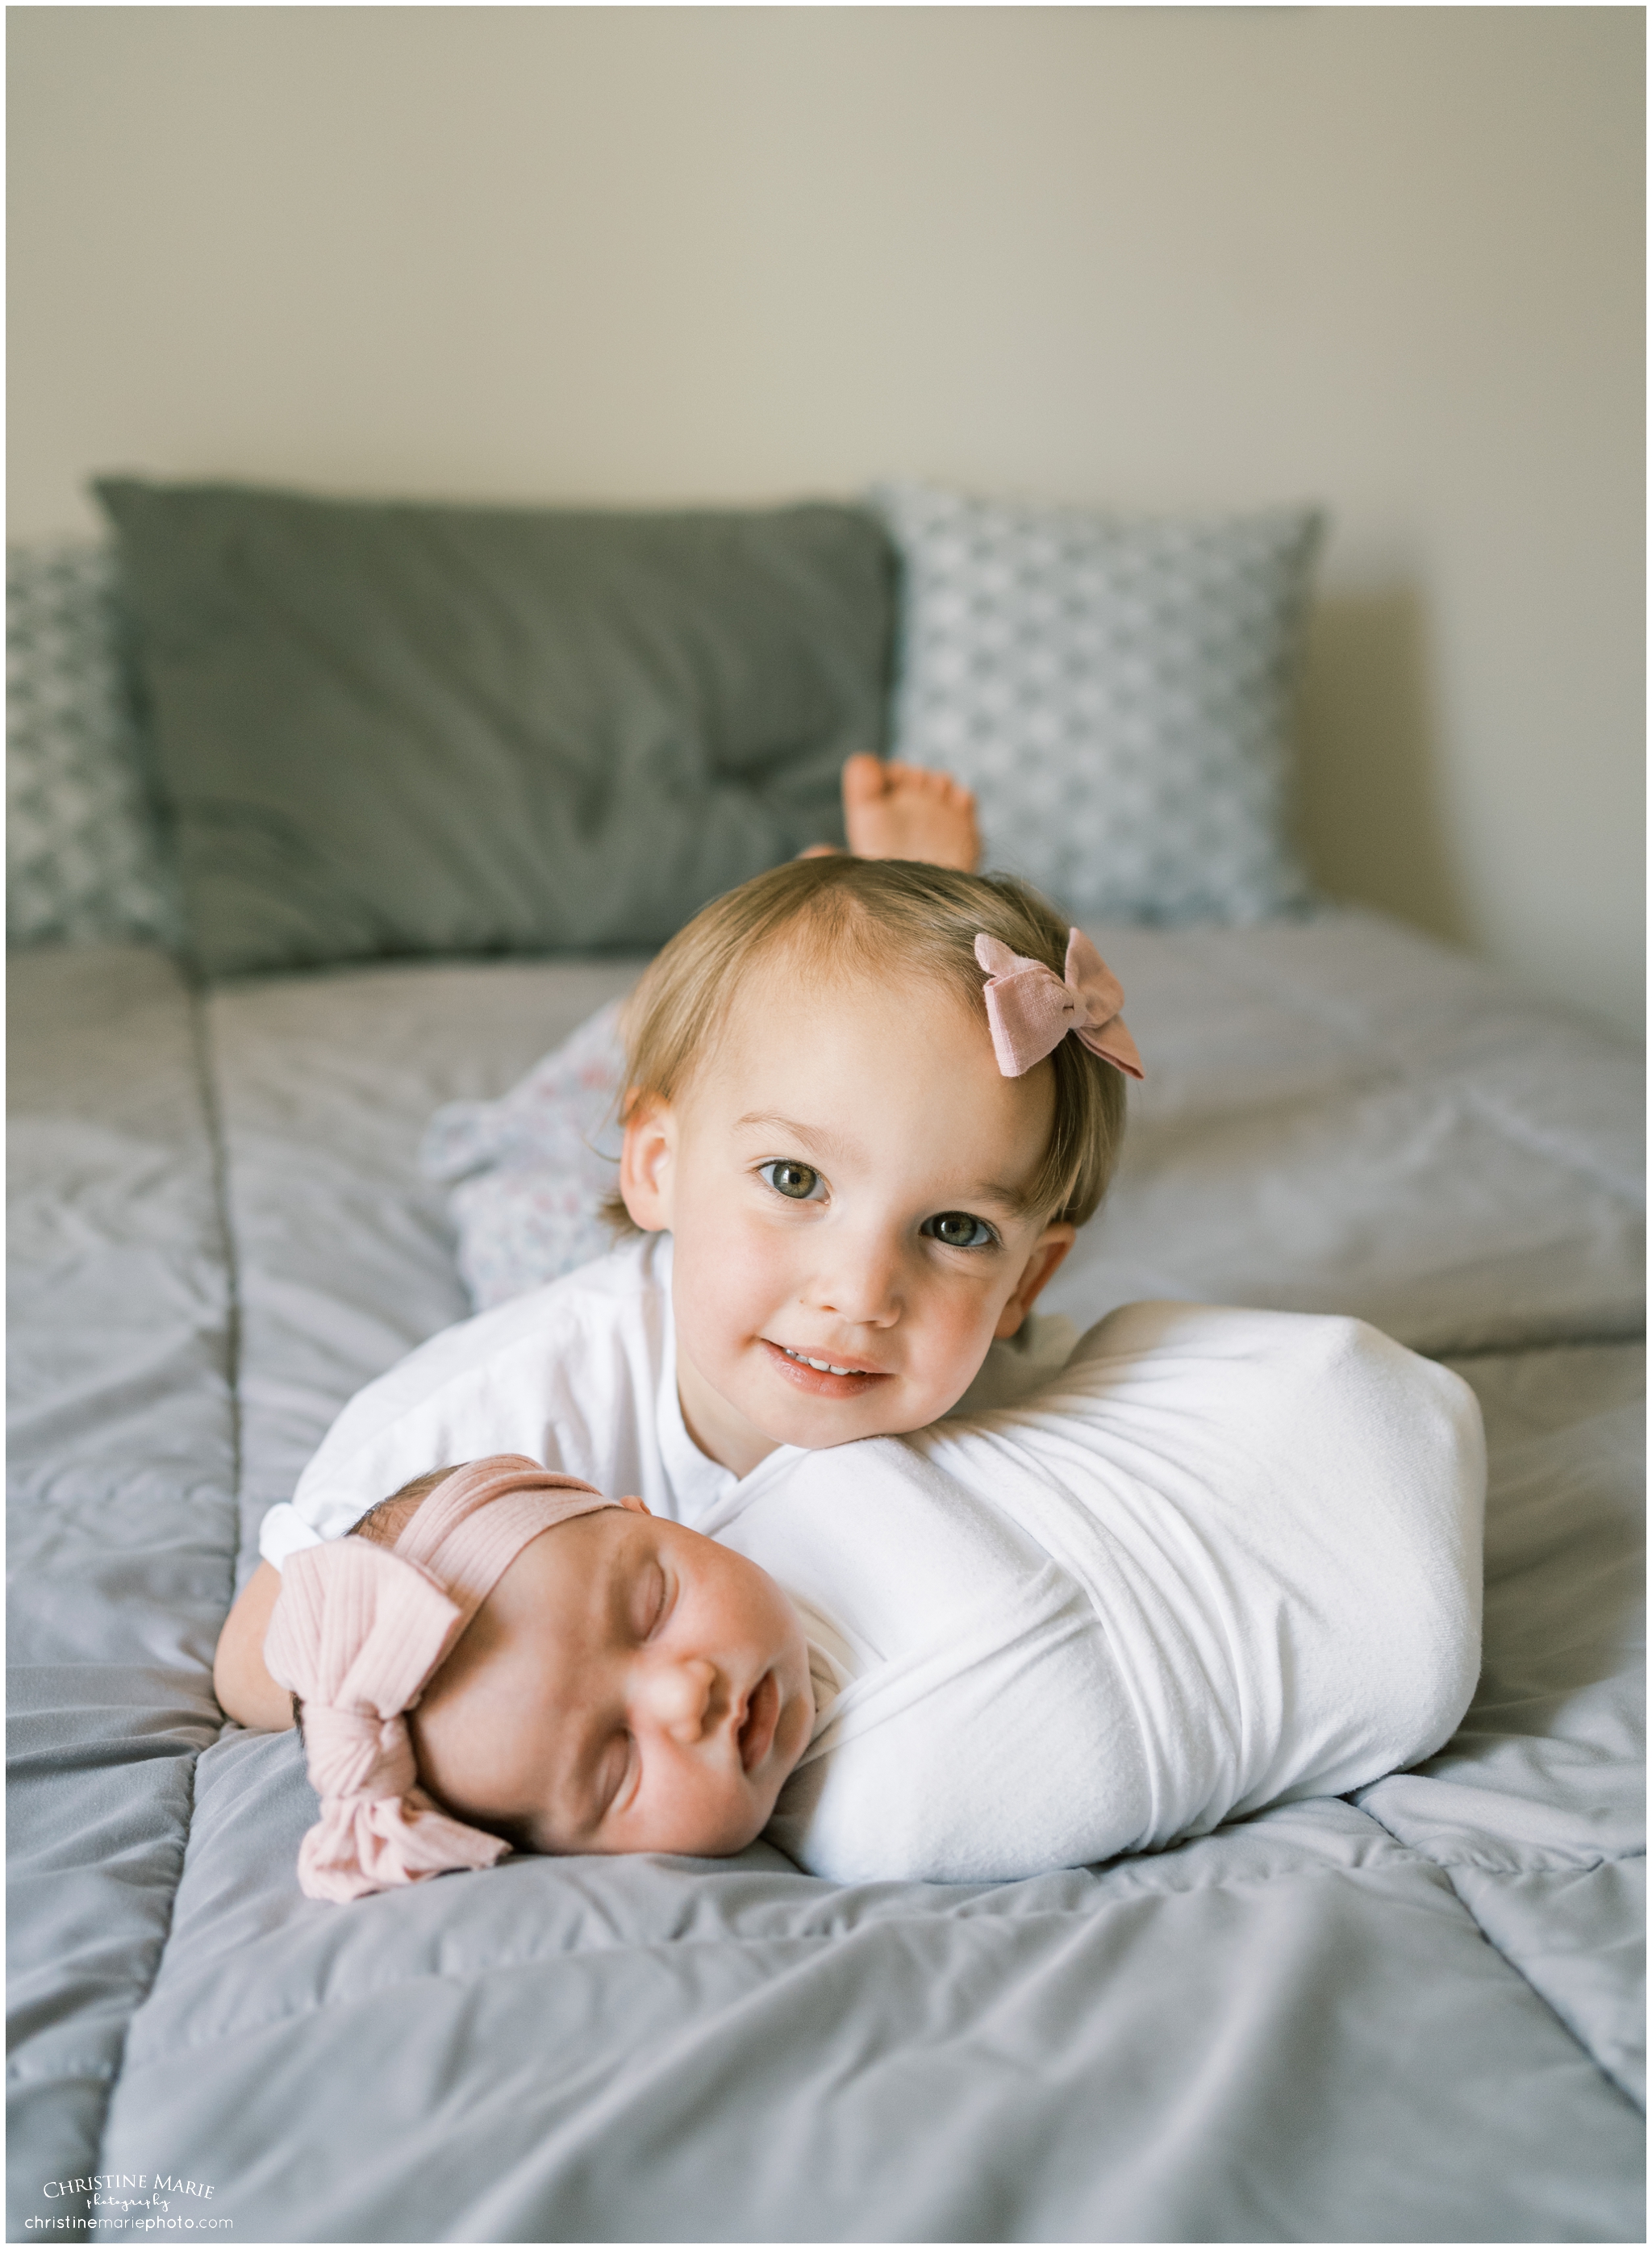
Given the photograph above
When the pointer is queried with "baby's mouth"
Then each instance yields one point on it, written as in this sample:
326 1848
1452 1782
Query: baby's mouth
762 1716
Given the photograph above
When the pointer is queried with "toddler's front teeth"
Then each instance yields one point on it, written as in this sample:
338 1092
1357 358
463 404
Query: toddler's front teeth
824 1365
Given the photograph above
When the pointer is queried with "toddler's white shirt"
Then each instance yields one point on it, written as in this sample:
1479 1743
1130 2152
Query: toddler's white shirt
1225 1558
580 1375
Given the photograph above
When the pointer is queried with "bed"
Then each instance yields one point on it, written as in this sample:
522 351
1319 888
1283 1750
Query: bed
1415 2015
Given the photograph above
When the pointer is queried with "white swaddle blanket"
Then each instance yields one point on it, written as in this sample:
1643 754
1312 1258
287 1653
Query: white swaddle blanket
1225 1558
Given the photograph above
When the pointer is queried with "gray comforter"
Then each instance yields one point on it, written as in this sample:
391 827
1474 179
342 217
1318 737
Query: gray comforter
1414 2016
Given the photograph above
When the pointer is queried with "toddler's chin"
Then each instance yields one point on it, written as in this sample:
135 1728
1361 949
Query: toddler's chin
811 1414
815 1426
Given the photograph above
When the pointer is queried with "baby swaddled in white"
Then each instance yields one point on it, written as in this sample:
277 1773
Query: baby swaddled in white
1225 1559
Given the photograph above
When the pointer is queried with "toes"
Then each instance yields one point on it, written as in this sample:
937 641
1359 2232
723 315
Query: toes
900 779
866 778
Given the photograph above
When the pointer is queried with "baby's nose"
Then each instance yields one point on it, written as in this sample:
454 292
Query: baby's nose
680 1696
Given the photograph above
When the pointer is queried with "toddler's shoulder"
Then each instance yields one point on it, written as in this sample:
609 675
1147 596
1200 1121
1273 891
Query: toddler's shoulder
608 1311
620 1287
548 1367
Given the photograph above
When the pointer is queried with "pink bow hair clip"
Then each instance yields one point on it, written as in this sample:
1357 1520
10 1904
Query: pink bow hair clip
1030 1010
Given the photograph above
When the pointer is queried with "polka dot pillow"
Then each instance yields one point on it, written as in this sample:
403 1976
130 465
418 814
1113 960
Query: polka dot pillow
1116 692
83 857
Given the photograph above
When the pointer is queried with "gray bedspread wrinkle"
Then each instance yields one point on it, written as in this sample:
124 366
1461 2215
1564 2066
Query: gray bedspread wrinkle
1536 1810
120 1501
654 2050
1411 2017
117 1369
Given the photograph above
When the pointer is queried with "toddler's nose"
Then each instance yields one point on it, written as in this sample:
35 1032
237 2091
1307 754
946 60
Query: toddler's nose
861 1283
679 1696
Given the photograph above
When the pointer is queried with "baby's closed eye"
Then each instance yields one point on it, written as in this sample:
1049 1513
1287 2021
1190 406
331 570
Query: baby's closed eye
650 1596
614 1775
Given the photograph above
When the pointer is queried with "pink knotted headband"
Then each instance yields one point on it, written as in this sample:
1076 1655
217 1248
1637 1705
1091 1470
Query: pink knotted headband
1030 1010
356 1633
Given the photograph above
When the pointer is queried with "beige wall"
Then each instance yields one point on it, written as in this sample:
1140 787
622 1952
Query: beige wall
1389 258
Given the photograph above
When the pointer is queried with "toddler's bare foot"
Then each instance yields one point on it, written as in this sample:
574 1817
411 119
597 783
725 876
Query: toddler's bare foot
905 812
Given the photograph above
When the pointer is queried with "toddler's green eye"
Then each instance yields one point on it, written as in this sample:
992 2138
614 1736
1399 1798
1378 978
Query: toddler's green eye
796 1180
958 1231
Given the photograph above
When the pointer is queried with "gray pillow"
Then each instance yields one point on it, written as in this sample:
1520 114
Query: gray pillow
1116 692
395 729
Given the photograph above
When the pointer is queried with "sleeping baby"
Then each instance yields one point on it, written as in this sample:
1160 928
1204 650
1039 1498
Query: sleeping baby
1227 1559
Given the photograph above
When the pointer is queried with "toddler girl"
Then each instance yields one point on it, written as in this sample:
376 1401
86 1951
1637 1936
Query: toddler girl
870 1102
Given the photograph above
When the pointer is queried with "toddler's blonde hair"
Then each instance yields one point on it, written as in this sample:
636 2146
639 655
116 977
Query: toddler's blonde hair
895 921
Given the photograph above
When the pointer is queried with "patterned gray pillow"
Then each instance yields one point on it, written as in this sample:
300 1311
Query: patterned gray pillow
1116 692
83 856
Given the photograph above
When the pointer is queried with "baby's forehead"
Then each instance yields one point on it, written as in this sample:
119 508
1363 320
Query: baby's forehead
570 1552
553 1608
583 1554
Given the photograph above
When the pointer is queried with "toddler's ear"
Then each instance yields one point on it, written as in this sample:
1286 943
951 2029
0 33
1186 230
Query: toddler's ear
645 1164
1050 1248
637 1506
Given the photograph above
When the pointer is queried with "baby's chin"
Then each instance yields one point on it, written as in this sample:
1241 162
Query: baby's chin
796 1720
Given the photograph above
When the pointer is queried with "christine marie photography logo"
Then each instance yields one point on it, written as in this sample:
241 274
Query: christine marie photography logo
129 2202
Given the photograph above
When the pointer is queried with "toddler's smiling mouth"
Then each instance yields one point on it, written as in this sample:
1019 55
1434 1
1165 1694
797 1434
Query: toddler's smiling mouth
824 1365
823 1377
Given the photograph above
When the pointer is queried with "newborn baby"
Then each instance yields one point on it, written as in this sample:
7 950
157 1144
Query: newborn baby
499 1657
1226 1559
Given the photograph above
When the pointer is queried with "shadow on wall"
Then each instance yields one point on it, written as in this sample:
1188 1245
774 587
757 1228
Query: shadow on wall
1372 826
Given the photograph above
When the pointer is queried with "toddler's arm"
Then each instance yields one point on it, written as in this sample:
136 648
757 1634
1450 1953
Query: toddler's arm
240 1679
